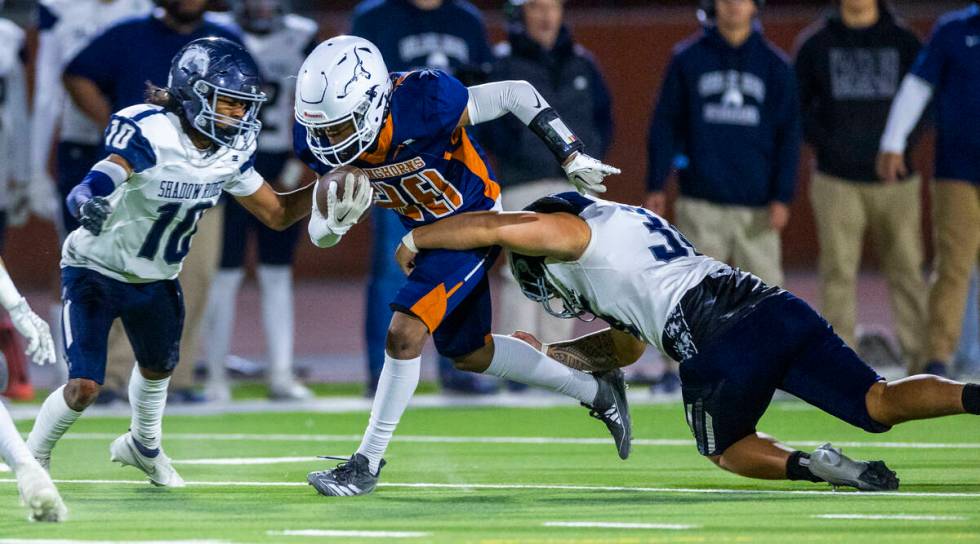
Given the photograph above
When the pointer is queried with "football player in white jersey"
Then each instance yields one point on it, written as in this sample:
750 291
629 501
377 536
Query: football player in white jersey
37 491
736 338
14 148
167 164
279 41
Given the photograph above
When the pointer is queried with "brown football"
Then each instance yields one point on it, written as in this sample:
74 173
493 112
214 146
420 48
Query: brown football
339 176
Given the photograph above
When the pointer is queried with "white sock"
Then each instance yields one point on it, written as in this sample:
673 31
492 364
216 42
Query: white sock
147 398
12 446
54 322
516 360
399 378
221 307
276 285
52 421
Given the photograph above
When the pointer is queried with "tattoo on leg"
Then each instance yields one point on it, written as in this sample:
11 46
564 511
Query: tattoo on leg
592 353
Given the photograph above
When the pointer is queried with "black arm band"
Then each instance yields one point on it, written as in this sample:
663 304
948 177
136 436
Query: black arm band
555 134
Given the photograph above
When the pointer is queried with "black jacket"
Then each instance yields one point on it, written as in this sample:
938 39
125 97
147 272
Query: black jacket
569 79
847 79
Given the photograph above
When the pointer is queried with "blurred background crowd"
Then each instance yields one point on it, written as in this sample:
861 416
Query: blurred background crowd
827 145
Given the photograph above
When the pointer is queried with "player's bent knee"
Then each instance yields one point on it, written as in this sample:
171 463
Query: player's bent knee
876 401
406 336
80 393
477 360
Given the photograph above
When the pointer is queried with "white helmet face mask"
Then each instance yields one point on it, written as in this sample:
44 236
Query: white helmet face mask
342 93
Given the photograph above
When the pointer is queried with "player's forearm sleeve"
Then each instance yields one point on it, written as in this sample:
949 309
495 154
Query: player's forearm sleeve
492 100
101 180
907 108
320 233
9 296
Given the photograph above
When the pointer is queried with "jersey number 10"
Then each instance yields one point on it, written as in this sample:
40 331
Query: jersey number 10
179 242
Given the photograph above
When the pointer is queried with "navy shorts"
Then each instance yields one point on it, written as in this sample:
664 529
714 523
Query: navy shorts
152 315
783 344
274 247
74 162
450 293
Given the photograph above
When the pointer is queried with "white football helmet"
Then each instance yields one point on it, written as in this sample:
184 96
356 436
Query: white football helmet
342 94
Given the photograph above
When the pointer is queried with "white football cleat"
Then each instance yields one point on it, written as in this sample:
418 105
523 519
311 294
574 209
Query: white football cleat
289 390
39 494
161 472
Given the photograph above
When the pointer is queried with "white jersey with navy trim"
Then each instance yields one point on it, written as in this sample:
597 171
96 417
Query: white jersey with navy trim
155 212
280 54
635 270
14 148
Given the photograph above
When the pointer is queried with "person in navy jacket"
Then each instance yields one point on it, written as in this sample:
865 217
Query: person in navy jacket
728 115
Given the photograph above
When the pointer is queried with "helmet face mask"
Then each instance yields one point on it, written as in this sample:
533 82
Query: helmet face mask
532 277
342 95
205 76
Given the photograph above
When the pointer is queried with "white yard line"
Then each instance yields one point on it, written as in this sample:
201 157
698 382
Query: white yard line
128 541
349 534
545 440
907 517
248 460
565 487
617 525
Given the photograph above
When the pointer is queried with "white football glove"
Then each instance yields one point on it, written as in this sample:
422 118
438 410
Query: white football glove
587 173
344 212
40 345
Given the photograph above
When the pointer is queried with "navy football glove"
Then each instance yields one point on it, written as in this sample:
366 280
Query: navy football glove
94 213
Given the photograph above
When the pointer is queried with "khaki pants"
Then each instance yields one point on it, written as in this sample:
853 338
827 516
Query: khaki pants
956 230
891 214
515 311
739 235
195 281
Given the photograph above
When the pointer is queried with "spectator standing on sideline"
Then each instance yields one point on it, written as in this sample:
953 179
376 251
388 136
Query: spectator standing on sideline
414 34
948 69
105 77
14 176
65 27
849 66
540 49
279 42
729 103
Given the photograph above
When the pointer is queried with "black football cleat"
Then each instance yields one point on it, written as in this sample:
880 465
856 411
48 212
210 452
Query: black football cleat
611 407
347 479
832 466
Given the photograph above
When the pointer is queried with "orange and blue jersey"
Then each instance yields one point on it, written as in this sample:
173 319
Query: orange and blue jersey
425 168
422 166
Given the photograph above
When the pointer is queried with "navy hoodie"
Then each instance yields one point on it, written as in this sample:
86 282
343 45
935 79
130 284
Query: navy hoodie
734 113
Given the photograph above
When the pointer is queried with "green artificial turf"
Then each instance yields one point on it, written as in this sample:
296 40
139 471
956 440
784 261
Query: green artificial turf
661 483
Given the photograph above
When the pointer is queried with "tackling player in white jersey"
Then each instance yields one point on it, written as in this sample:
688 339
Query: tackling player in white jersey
737 339
279 41
168 163
37 491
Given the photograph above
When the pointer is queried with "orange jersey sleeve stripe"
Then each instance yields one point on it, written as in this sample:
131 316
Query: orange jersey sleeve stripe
467 154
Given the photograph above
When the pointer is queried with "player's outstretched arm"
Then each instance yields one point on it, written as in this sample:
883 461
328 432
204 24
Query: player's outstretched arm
560 236
278 211
492 100
40 346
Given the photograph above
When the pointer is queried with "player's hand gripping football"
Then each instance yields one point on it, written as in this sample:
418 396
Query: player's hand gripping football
40 346
587 173
344 212
93 214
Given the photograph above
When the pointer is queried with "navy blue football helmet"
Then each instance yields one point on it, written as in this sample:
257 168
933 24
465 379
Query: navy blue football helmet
208 70
532 274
